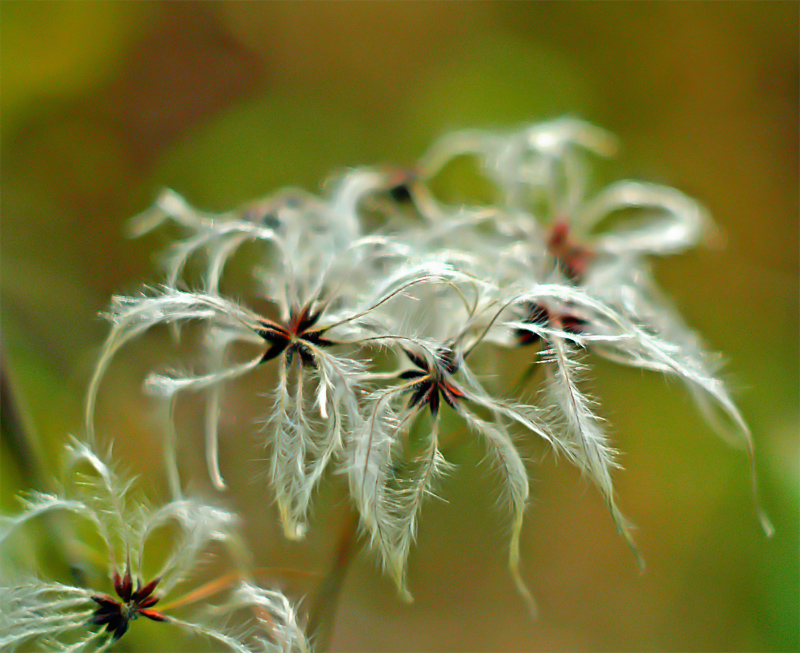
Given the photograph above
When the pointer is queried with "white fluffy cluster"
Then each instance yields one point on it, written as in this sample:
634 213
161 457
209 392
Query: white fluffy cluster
147 560
377 306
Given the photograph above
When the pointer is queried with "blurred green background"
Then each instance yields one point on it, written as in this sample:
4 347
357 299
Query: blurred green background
104 103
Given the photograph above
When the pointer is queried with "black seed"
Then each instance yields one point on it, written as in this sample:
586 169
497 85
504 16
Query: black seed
143 594
316 338
400 193
419 361
272 221
450 393
306 355
275 350
306 320
120 629
525 337
433 400
272 333
448 360
573 324
421 390
534 314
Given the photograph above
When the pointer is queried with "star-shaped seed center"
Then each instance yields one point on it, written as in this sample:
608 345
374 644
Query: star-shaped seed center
433 380
297 336
116 615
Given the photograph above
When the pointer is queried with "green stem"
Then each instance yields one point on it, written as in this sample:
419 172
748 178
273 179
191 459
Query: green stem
16 426
323 611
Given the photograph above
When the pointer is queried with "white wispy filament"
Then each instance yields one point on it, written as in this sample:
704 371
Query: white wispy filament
380 304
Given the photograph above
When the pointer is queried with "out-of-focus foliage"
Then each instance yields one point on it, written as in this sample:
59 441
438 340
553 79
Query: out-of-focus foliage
105 103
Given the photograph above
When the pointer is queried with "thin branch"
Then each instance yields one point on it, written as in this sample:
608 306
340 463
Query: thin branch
322 615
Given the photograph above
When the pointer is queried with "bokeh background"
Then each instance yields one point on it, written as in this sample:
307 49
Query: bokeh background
105 103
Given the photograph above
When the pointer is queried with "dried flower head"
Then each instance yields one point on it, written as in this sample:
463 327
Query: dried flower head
319 295
38 613
371 329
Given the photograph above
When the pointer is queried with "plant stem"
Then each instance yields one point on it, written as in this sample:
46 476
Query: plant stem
16 426
322 614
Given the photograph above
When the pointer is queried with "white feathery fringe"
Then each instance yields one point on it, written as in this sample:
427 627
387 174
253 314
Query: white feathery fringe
623 341
40 613
504 455
682 226
306 430
436 278
168 387
276 616
589 442
31 610
132 316
390 498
